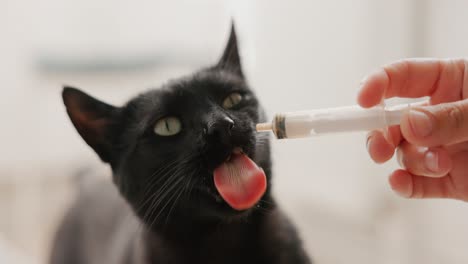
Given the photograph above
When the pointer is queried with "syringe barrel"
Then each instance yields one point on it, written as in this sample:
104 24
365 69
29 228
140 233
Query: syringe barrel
326 121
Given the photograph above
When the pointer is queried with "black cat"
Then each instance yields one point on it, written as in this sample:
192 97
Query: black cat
193 177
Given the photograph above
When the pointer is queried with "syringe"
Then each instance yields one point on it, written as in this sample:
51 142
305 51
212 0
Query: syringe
334 120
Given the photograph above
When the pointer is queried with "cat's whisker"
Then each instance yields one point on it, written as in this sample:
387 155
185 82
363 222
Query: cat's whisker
269 208
180 160
193 184
156 208
163 190
146 196
162 177
184 189
159 171
161 195
150 188
263 211
167 202
267 202
262 135
262 140
150 181
181 190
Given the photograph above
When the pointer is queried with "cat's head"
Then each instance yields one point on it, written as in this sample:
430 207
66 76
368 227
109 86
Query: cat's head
166 144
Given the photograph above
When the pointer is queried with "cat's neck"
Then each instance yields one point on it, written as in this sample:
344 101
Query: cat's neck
181 227
201 237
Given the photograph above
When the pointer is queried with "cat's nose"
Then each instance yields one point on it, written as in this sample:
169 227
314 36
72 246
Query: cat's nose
220 128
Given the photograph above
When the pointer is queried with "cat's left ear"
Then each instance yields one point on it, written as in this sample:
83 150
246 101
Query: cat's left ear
92 119
231 60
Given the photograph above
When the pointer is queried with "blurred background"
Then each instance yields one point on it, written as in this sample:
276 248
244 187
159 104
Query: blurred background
296 54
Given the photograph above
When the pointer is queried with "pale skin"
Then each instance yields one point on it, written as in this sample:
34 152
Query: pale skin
432 141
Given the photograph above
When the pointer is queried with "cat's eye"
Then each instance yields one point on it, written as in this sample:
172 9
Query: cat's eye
232 100
168 126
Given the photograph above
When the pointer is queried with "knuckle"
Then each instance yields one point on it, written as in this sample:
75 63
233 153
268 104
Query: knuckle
400 68
456 115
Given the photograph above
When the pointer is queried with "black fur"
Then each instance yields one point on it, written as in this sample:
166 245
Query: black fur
170 211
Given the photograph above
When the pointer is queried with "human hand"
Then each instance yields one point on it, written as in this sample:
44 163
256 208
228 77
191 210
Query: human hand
431 141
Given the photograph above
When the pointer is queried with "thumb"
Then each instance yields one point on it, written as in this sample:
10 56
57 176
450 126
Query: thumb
436 125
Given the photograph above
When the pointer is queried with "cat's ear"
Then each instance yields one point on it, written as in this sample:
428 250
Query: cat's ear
91 118
230 60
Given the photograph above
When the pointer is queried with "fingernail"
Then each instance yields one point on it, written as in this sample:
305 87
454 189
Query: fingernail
387 135
420 123
432 161
369 139
363 80
399 158
400 185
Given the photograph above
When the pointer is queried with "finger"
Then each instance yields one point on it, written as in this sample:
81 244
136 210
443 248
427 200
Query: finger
434 162
459 174
414 78
452 84
412 186
436 125
379 148
394 135
456 148
372 89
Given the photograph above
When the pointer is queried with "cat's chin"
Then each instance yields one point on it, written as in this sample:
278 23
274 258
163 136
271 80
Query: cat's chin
210 205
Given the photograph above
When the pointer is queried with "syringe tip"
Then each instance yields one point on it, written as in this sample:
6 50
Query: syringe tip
262 127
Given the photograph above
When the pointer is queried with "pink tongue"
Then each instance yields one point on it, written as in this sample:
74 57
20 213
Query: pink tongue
240 182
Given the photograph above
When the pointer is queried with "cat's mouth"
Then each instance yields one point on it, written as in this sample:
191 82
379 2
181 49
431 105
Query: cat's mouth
239 180
235 151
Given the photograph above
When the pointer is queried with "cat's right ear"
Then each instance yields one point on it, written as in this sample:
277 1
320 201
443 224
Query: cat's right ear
230 60
91 118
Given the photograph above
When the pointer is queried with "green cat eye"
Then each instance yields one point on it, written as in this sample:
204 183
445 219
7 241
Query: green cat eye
232 100
168 126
